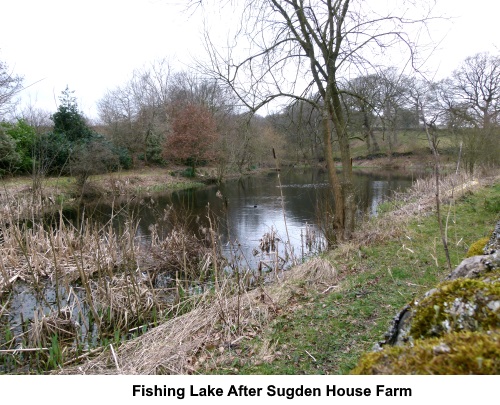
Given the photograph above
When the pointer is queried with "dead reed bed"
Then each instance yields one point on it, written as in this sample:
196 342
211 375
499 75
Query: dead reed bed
181 252
419 200
105 285
33 252
219 321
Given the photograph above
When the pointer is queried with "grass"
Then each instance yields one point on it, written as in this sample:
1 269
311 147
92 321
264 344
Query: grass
149 180
321 316
318 319
326 333
408 141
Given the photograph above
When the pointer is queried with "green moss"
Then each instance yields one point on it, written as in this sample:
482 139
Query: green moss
462 304
477 247
454 353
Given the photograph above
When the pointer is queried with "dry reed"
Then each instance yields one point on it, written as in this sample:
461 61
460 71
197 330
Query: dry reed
418 200
115 273
35 254
56 323
188 343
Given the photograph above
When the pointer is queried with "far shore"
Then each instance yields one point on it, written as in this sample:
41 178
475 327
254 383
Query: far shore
154 179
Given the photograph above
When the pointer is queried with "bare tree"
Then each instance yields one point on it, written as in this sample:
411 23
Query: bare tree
297 48
392 101
117 111
136 114
300 124
150 88
362 107
188 88
476 85
36 117
429 98
10 85
473 108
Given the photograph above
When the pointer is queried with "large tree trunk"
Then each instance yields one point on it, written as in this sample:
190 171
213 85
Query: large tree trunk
349 200
338 220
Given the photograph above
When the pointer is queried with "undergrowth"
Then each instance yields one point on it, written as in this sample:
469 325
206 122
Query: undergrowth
326 332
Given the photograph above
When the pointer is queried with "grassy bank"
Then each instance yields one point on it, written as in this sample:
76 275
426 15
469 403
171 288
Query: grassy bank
392 260
318 317
145 180
58 191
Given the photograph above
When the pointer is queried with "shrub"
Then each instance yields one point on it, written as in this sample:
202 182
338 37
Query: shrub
23 136
9 158
94 157
124 157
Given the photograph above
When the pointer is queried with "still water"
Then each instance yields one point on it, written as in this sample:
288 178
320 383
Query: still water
288 205
284 205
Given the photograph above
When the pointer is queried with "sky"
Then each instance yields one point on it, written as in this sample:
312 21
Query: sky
94 45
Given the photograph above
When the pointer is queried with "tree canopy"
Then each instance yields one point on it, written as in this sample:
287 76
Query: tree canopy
68 120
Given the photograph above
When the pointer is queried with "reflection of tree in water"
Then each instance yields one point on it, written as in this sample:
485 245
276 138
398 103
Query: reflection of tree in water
244 210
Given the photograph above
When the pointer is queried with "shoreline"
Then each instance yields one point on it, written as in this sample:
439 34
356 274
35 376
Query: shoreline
353 292
160 179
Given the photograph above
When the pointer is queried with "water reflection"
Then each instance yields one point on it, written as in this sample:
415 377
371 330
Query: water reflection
246 209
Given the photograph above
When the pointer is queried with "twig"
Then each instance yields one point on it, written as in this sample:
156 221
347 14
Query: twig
114 357
393 279
311 356
2 309
415 285
34 349
81 357
329 288
237 340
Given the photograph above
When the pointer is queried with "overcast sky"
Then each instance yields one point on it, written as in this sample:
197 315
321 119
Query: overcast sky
94 45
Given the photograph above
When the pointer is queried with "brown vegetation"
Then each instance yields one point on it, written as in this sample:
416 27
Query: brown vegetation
210 335
195 341
194 132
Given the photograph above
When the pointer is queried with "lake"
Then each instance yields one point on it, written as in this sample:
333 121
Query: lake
248 211
266 221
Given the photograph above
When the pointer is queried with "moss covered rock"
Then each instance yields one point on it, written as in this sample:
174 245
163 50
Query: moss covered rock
453 353
458 305
455 305
493 245
453 329
476 266
477 248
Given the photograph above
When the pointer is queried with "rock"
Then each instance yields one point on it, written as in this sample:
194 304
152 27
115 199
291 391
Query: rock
474 267
493 246
454 353
464 308
398 333
455 305
458 305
